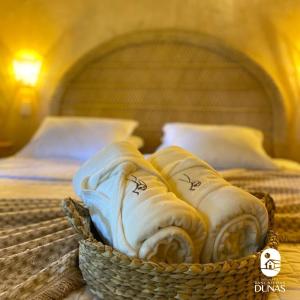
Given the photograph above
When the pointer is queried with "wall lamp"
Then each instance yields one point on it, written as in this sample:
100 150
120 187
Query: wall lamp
26 67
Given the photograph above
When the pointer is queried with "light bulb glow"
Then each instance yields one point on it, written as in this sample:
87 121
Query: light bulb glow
26 67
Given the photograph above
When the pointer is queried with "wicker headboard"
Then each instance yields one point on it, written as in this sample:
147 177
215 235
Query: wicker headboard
165 76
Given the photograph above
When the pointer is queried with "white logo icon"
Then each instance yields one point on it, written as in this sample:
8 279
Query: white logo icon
270 262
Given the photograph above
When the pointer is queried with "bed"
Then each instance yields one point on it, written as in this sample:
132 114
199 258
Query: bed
153 77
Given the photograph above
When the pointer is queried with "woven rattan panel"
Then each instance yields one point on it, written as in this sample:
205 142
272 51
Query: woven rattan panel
164 80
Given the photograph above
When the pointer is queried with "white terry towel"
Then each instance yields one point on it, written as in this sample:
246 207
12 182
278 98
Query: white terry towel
237 221
133 210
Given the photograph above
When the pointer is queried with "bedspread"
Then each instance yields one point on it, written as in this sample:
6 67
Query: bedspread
284 187
38 248
36 238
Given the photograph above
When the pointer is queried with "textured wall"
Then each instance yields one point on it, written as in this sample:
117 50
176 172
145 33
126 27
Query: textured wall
63 31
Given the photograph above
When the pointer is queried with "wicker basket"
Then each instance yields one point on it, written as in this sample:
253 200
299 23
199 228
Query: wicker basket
113 275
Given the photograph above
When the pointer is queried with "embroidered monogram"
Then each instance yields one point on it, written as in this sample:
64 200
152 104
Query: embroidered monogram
193 183
140 184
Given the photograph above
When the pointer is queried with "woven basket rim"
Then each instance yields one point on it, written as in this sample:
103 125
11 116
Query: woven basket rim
272 242
108 251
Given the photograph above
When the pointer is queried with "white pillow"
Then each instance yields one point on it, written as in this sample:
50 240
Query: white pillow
76 137
222 146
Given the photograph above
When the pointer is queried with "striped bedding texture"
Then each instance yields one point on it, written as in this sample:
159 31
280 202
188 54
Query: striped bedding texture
39 250
284 187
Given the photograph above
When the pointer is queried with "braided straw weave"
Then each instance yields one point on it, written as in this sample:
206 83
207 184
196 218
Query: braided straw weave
113 275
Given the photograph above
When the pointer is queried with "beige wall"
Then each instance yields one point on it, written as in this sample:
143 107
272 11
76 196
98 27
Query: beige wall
64 30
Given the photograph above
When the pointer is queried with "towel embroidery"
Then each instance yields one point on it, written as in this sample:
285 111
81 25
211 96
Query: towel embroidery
140 184
193 183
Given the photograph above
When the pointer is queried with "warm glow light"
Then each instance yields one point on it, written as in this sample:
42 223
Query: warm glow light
26 67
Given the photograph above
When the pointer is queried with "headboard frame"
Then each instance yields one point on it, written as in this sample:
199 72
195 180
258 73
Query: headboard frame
173 76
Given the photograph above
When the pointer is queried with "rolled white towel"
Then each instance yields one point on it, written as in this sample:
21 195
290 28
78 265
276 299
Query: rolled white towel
133 210
237 221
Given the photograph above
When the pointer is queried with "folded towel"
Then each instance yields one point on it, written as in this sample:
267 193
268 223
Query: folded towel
133 210
237 221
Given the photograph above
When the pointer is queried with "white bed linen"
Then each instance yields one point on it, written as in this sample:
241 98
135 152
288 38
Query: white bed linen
36 178
289 273
40 169
32 178
283 164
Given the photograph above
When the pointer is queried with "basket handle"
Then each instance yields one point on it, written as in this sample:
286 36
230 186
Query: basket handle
78 216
